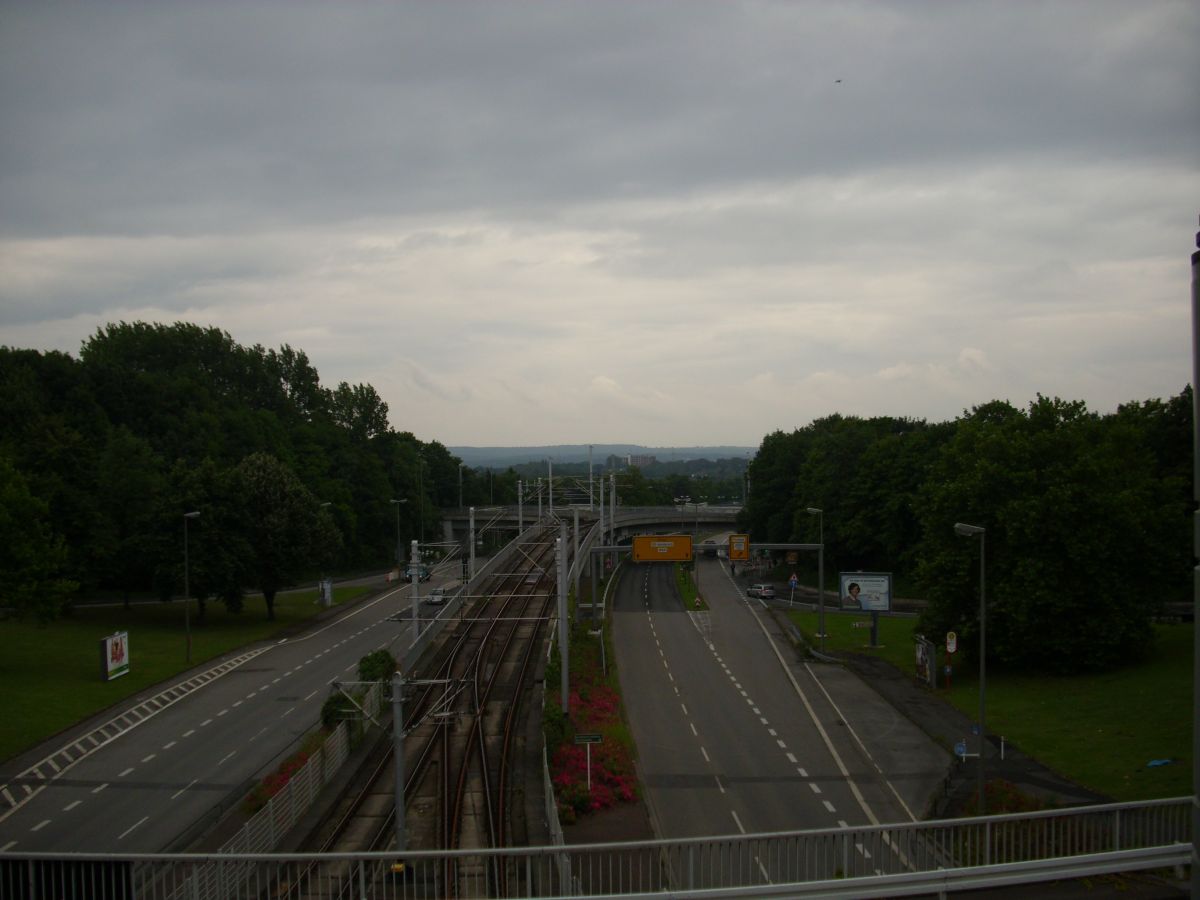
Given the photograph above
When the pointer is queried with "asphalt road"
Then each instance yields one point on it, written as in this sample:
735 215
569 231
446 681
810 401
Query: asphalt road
142 791
737 735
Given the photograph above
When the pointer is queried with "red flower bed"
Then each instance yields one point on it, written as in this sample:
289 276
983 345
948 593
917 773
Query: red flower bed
594 708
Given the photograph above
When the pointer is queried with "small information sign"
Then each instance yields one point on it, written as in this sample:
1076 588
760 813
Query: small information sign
589 738
951 642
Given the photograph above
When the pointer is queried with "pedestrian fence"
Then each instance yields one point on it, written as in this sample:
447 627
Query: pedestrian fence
940 856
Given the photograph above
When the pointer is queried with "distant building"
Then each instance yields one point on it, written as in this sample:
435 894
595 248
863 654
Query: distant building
640 461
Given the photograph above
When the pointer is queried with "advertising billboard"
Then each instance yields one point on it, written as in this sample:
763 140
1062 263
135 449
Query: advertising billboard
868 591
662 548
114 655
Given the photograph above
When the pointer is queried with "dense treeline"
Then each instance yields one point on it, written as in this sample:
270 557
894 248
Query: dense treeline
101 456
1087 517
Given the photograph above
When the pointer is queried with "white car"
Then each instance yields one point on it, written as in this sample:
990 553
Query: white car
763 591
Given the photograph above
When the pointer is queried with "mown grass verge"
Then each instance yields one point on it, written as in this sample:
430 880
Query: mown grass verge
1100 730
50 675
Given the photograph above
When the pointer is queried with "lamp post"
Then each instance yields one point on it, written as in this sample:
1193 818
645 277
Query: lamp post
820 514
187 590
964 530
399 555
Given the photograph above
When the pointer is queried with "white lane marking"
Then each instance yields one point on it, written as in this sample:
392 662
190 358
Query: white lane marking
738 821
803 774
71 806
131 827
40 825
126 772
313 694
228 756
169 745
772 732
765 874
720 787
816 789
290 710
695 733
828 805
861 745
8 846
842 823
206 722
99 788
238 703
812 715
148 758
222 712
189 732
782 745
182 789
261 730
791 758
705 752
683 706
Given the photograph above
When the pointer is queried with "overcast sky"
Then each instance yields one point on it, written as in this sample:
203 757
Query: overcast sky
662 223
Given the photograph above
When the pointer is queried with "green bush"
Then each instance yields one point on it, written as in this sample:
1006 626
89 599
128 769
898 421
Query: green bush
377 666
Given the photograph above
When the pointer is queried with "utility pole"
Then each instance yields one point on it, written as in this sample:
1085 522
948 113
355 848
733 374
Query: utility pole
560 550
414 576
398 752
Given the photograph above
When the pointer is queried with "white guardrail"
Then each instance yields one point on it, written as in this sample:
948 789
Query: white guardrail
869 861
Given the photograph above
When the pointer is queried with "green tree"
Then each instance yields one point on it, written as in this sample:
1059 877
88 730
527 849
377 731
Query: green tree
281 522
1066 500
32 556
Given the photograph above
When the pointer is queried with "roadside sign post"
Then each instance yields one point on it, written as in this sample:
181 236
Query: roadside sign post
587 740
792 582
951 649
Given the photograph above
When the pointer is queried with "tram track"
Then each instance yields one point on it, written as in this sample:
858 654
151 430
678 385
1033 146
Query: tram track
461 718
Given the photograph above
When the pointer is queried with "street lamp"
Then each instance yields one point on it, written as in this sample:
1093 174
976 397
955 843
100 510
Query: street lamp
964 530
397 504
820 514
187 591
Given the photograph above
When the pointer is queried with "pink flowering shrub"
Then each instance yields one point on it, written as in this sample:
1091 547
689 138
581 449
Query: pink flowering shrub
594 708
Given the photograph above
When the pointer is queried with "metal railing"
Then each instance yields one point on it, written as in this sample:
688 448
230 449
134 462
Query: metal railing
868 861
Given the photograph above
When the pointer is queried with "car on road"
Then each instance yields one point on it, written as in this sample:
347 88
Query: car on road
422 572
762 591
443 592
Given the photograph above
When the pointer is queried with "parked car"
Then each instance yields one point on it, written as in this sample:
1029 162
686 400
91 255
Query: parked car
763 591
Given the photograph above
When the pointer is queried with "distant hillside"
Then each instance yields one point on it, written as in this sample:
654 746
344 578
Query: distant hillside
503 457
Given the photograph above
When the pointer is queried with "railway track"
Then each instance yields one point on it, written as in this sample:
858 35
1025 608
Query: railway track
462 718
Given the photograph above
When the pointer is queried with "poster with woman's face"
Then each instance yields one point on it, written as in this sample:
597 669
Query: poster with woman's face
869 591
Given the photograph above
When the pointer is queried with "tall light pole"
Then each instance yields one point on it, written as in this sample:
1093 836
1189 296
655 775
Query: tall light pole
187 589
399 556
965 530
820 514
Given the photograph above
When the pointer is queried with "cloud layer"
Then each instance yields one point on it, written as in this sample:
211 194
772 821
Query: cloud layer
658 223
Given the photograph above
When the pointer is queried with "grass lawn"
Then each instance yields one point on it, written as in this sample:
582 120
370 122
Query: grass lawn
1098 730
50 675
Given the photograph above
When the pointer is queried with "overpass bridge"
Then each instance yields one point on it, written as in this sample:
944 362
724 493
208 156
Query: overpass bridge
689 518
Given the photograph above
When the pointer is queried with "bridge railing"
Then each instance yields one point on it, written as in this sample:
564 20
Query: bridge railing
867 861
